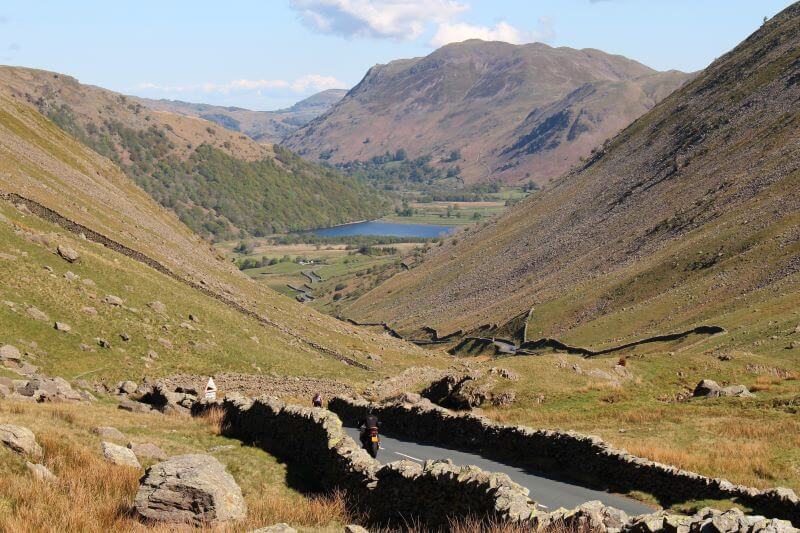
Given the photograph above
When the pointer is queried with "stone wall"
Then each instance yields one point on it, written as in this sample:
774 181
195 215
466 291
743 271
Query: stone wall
428 495
400 493
584 459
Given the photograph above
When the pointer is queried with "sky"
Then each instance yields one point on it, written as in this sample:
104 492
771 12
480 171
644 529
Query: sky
268 54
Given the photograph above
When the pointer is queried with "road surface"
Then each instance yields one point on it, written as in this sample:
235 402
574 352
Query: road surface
550 494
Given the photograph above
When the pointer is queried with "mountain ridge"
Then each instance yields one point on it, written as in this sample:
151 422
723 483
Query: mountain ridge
471 98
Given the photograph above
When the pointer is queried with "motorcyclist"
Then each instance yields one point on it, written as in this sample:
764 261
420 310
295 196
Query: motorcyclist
317 401
369 421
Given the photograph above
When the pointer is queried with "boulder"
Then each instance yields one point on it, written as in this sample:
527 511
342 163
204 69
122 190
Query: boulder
41 472
189 488
10 353
119 455
158 307
108 432
711 389
277 528
67 253
61 326
134 407
113 300
20 440
127 387
37 314
147 451
46 389
71 276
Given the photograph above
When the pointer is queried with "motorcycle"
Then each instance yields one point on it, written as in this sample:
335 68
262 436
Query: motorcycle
371 441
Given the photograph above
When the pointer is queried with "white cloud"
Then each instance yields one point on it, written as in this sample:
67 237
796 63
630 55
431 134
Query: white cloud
309 82
396 19
502 31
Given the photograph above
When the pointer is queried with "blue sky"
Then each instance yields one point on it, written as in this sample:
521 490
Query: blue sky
270 53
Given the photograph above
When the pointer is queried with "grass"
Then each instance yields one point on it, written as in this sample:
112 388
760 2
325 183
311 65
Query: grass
95 495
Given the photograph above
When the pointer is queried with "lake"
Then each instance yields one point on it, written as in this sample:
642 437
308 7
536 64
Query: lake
385 229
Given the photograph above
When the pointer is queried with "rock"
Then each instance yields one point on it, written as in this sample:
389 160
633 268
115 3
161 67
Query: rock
125 337
504 373
166 343
60 326
189 488
88 282
725 357
10 353
793 345
45 389
103 343
119 455
352 528
41 472
20 440
91 311
134 407
504 399
67 253
151 354
707 389
37 314
127 387
158 307
194 318
739 391
116 301
147 450
277 528
711 389
108 432
85 348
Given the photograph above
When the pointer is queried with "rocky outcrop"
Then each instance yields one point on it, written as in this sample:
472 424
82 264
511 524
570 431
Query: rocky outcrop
583 459
20 440
466 391
193 489
708 388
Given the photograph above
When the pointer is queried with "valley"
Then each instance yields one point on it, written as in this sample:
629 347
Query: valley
559 289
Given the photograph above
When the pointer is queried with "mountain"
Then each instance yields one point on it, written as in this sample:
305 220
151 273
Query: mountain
219 182
136 275
496 111
688 217
262 126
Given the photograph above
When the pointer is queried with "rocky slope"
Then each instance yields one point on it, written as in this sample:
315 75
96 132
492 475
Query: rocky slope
218 181
689 216
510 113
262 126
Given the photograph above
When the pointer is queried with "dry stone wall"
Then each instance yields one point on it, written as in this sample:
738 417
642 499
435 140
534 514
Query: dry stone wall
404 492
400 492
585 459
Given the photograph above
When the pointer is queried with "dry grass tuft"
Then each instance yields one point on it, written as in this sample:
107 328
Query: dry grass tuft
270 507
215 418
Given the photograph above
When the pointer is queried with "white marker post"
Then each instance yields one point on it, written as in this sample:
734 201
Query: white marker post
211 390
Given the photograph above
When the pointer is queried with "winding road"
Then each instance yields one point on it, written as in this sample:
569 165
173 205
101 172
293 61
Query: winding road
549 493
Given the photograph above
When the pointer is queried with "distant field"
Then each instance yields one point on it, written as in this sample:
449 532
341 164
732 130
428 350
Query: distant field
335 264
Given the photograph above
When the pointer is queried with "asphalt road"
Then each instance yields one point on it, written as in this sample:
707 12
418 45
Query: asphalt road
550 494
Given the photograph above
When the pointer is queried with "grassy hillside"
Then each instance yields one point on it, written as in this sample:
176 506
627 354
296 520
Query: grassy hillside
242 325
219 182
468 107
